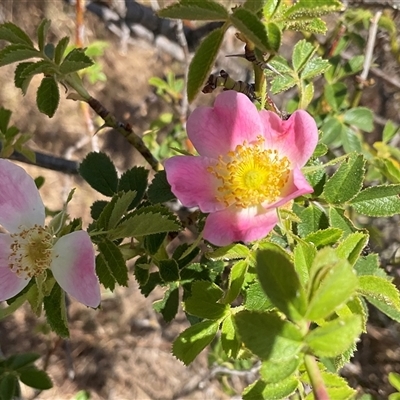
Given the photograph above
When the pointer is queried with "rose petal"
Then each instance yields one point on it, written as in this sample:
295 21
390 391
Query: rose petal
295 187
10 283
20 202
191 183
234 225
216 130
73 267
295 138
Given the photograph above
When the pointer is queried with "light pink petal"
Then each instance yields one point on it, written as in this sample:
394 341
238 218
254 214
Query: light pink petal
20 202
10 283
233 225
191 183
219 129
73 267
295 138
296 186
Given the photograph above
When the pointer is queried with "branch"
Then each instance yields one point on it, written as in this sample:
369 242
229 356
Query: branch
126 131
49 162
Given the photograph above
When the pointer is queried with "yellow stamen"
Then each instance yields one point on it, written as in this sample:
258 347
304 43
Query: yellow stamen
250 175
31 251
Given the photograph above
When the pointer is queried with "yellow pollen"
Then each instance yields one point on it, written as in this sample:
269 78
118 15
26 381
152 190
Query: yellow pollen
31 251
250 175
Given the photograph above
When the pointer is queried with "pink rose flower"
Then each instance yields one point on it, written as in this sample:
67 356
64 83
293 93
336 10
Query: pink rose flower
248 165
29 248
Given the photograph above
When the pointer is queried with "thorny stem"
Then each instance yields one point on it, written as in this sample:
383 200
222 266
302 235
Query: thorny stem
317 383
125 130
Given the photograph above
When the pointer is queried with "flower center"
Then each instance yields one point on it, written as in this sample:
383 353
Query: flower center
250 175
31 251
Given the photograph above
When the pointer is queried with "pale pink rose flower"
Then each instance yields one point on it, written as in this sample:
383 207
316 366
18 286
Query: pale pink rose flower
29 248
249 164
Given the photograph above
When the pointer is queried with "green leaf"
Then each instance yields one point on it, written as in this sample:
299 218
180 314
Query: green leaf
347 181
168 306
270 8
60 49
254 5
5 116
314 25
114 210
74 61
389 131
114 260
314 67
337 219
378 201
8 386
193 340
268 336
282 83
280 281
100 173
312 219
324 237
350 140
54 305
307 95
203 301
153 242
14 34
48 96
35 378
274 35
333 287
351 247
18 361
169 270
121 206
147 222
229 338
97 208
134 179
336 386
256 299
159 189
203 61
303 255
311 8
25 72
370 265
20 81
361 117
382 294
200 10
236 279
335 95
280 390
42 30
251 26
17 52
302 52
334 337
273 372
104 273
231 252
394 380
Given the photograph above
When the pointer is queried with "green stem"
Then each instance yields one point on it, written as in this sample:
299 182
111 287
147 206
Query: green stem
317 383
